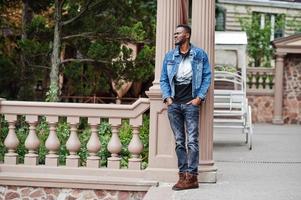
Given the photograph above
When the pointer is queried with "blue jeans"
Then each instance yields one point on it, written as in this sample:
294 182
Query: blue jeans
181 117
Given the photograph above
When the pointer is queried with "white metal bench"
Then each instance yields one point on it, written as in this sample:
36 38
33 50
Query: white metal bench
231 109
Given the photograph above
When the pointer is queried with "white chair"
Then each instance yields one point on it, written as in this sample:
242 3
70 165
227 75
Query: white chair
231 109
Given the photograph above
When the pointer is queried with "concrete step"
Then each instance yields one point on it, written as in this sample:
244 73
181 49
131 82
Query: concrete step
162 192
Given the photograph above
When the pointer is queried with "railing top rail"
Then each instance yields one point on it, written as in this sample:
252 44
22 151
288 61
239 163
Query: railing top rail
224 76
238 82
260 69
75 109
227 74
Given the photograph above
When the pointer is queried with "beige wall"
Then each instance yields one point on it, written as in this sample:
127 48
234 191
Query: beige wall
237 10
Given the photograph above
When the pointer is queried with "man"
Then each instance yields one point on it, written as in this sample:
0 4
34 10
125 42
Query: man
184 82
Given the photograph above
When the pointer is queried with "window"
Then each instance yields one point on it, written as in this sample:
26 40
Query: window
220 18
276 22
279 25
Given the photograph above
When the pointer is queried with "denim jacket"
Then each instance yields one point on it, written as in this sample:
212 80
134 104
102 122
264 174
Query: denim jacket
201 72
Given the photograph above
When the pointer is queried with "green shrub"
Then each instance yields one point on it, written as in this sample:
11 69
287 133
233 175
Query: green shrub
226 68
3 134
42 131
22 129
144 136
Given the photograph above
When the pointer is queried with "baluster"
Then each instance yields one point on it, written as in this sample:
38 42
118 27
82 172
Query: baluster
260 81
11 141
93 145
271 81
52 143
73 143
254 82
32 142
135 147
114 145
265 80
249 80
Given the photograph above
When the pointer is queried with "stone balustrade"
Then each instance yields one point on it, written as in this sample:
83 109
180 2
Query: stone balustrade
260 81
72 112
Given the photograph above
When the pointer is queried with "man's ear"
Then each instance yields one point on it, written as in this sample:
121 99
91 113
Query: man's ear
187 35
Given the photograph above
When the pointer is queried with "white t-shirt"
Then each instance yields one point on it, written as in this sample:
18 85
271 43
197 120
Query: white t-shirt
184 74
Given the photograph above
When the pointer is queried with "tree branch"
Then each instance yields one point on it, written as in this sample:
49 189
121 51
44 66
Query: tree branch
40 66
104 36
84 60
61 4
86 34
79 14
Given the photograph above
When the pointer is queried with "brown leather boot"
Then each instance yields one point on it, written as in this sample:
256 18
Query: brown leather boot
191 181
181 182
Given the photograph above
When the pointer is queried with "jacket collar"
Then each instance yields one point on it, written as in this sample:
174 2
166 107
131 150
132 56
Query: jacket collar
191 53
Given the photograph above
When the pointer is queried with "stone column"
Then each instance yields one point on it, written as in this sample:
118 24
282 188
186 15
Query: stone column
203 25
277 119
162 159
168 17
184 9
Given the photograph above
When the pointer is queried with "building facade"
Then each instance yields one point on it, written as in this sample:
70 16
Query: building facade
284 17
271 77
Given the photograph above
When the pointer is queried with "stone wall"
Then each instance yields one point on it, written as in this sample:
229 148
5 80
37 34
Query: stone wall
262 108
292 89
37 193
263 105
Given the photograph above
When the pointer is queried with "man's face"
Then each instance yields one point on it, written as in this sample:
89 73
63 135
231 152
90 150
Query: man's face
181 36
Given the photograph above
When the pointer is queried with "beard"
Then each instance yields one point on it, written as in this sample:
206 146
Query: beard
180 42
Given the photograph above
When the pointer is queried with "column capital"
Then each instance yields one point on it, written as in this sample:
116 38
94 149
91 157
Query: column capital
280 54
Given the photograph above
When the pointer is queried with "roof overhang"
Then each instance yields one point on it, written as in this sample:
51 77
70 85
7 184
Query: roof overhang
290 44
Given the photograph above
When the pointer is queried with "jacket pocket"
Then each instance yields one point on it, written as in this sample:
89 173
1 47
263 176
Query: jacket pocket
198 70
170 66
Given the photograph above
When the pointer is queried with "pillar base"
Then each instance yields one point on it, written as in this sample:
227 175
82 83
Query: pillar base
31 159
52 160
278 120
114 162
72 161
11 158
135 163
207 174
93 162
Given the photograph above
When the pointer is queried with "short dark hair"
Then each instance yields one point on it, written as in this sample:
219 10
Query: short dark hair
186 27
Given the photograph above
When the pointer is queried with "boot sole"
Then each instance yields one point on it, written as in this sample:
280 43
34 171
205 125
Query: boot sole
177 189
